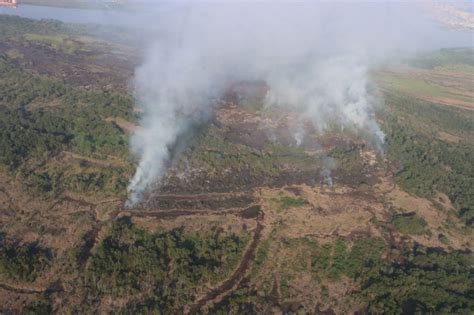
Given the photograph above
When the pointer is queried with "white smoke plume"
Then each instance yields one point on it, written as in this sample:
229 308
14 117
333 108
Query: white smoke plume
328 165
314 56
328 90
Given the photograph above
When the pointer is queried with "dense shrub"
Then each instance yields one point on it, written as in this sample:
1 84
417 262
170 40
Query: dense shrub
428 281
428 164
23 261
164 265
409 223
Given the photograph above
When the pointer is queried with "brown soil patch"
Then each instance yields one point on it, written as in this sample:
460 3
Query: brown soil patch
449 137
330 213
125 125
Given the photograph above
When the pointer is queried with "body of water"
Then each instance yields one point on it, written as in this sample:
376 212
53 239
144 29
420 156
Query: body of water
88 16
414 24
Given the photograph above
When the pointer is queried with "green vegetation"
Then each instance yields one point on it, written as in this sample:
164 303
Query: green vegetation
443 57
289 202
409 223
332 261
32 131
221 157
240 301
429 281
365 253
165 266
347 158
418 87
215 154
288 152
61 134
24 135
23 262
12 26
39 306
60 43
285 202
426 281
77 122
338 259
15 28
429 164
443 239
261 255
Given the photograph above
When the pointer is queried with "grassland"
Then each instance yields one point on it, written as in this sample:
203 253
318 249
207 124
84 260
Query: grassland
443 77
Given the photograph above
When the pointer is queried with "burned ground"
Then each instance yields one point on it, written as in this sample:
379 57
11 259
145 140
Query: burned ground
84 61
254 219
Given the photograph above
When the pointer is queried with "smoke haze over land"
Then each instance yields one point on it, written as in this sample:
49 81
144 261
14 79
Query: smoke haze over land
314 56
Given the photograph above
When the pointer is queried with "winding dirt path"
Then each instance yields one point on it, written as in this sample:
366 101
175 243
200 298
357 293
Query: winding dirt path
93 236
25 290
245 263
110 162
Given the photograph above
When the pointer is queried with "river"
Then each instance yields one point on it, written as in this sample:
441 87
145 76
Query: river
429 31
88 16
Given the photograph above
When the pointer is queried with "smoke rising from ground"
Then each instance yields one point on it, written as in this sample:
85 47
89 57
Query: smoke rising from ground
315 58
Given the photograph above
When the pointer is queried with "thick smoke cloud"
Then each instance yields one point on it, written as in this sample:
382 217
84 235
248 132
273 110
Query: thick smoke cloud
315 58
327 91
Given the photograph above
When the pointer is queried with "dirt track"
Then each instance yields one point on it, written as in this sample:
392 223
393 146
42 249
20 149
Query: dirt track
238 274
23 290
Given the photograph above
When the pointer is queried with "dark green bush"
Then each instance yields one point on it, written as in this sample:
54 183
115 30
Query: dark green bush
409 223
23 261
167 265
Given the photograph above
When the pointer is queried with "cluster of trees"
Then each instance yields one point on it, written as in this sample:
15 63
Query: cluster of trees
77 117
13 26
77 122
23 262
26 135
166 266
430 164
39 306
428 281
